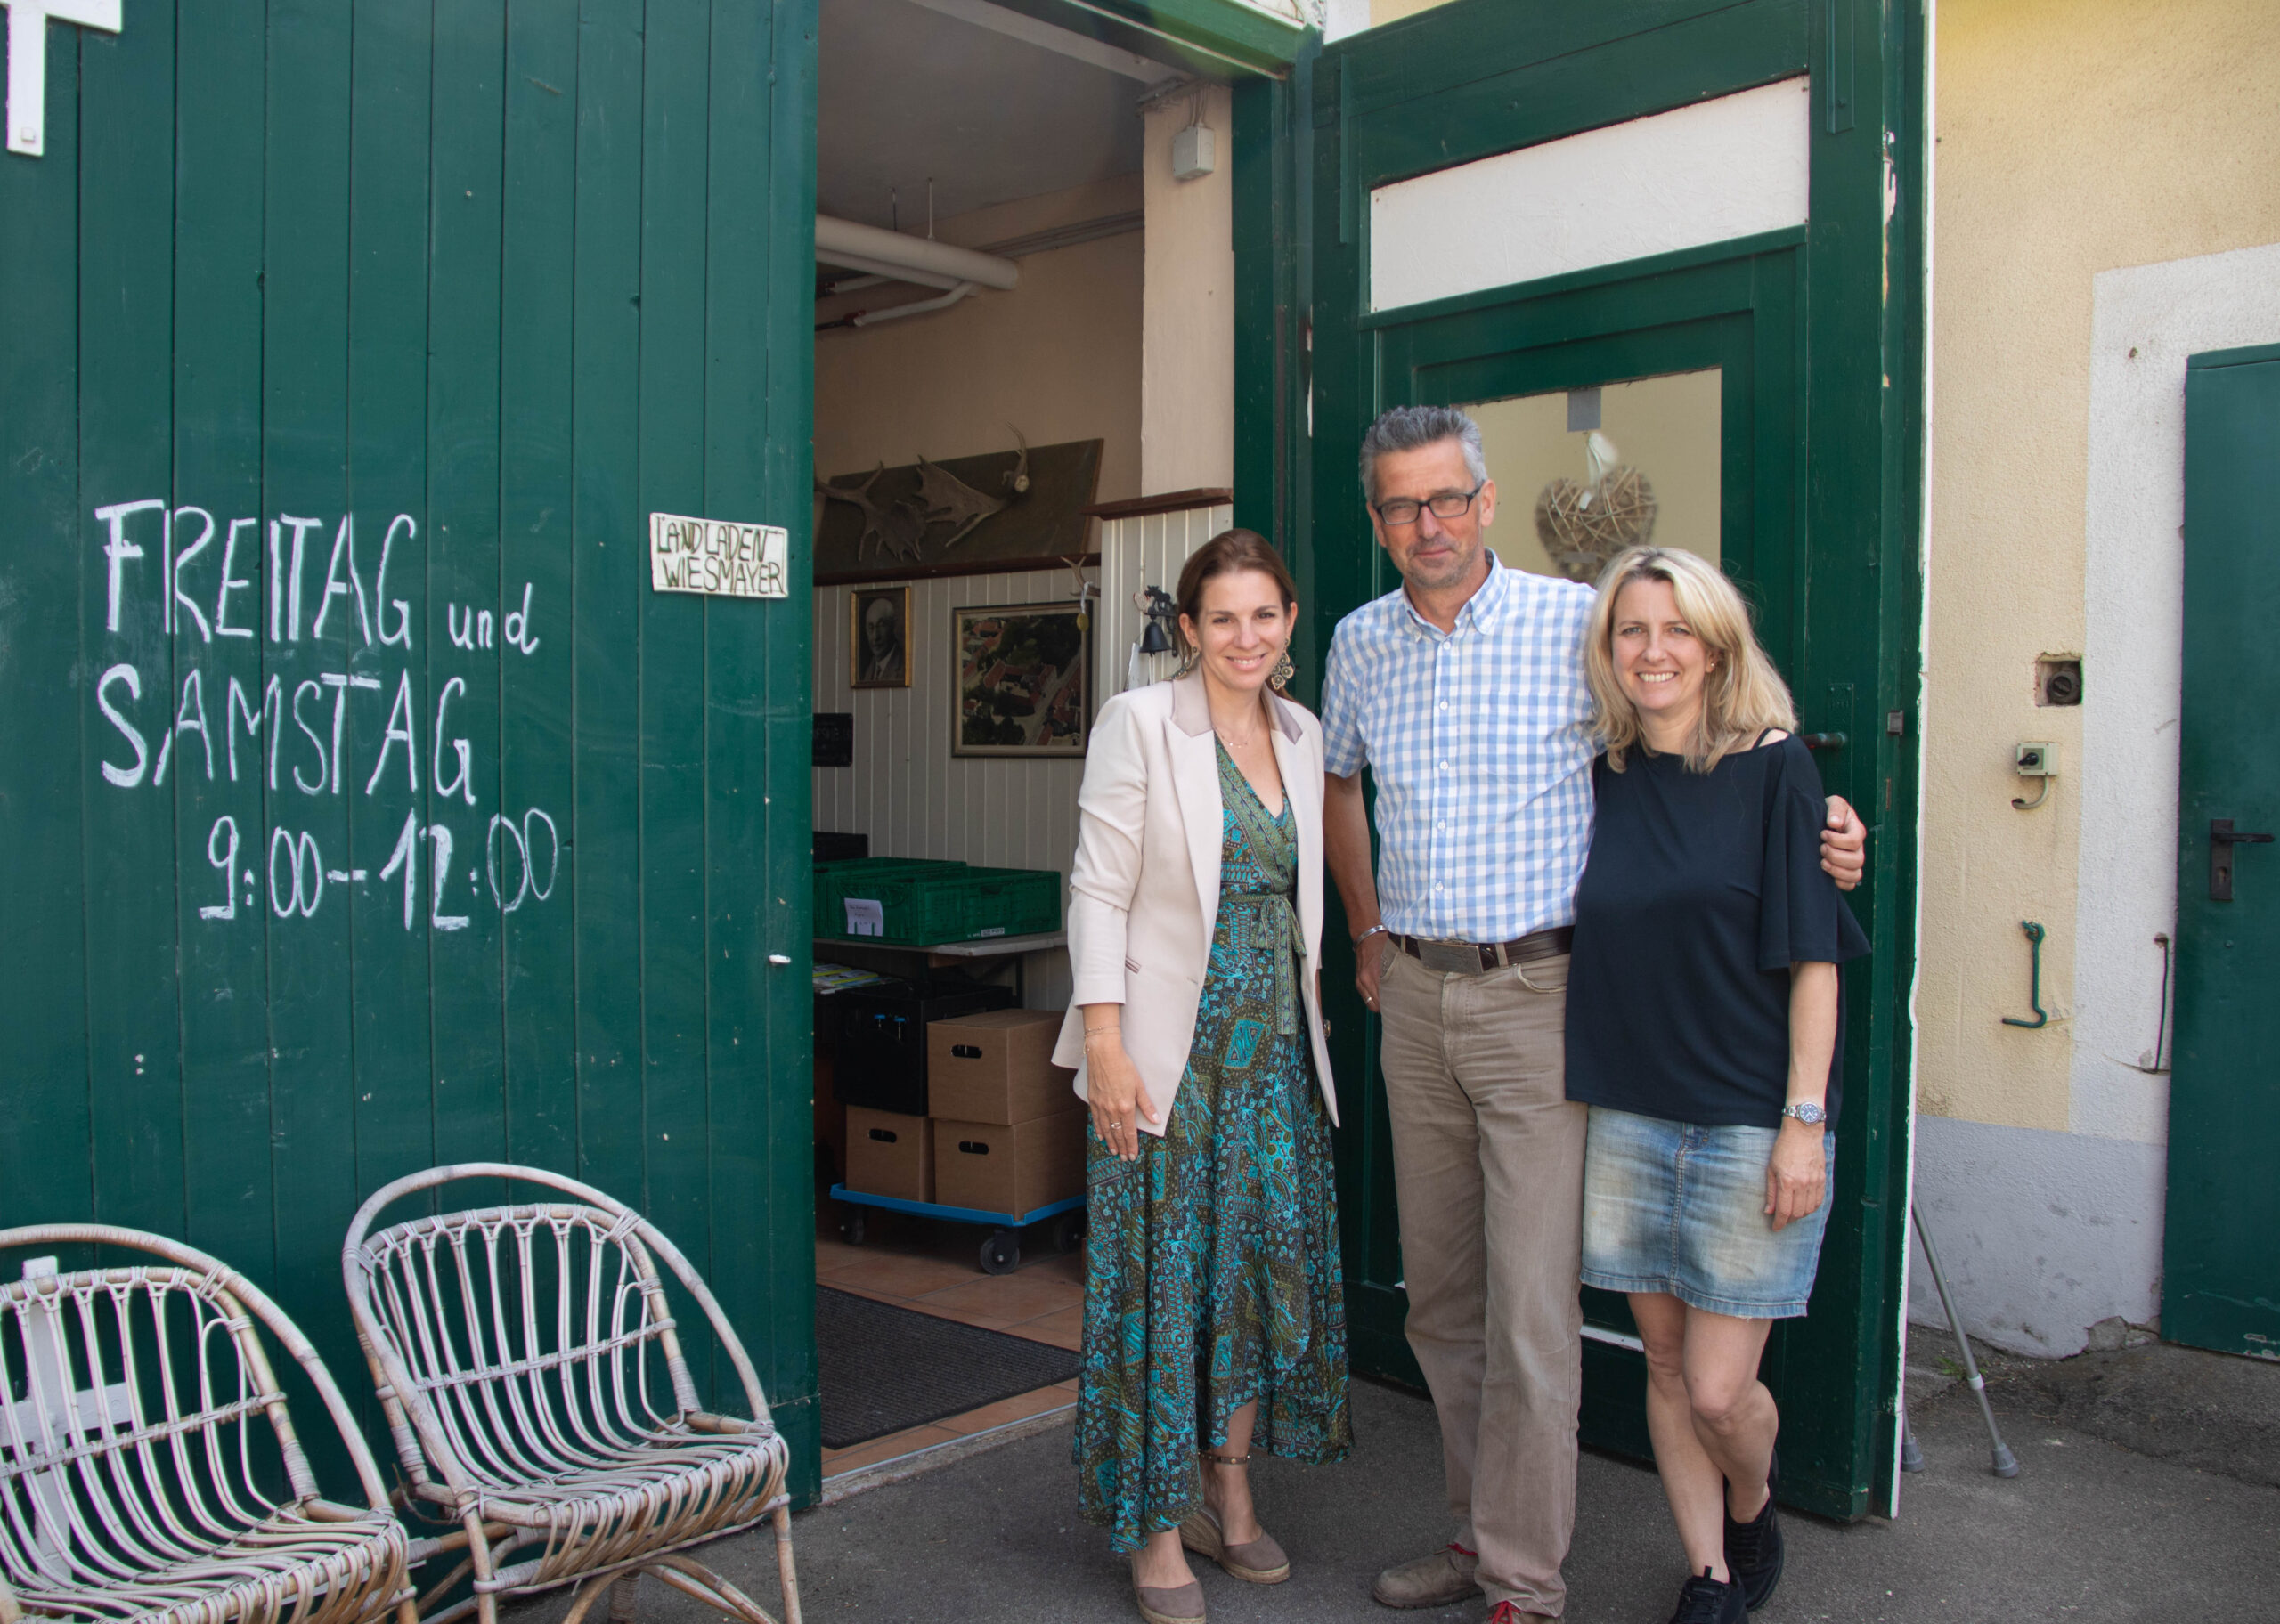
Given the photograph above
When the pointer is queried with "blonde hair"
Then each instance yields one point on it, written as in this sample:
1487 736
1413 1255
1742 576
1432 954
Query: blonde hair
1742 695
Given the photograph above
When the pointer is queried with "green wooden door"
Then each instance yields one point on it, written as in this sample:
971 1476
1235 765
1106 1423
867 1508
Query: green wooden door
2220 1275
1810 330
364 806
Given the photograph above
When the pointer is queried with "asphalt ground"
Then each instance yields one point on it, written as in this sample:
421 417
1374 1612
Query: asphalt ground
2146 1491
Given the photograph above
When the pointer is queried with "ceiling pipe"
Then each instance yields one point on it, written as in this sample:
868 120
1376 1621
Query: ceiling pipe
879 271
866 318
908 258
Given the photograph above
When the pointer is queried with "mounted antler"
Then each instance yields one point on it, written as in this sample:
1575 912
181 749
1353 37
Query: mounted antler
1017 477
895 527
945 498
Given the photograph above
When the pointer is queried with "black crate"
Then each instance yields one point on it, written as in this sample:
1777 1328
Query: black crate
881 1060
832 846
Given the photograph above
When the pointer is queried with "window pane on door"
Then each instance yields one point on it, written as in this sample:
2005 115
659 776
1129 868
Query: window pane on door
1560 512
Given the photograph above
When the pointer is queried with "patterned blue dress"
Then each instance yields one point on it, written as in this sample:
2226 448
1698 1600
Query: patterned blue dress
1212 1274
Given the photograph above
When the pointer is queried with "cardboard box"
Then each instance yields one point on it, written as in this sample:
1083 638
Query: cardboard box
997 1067
1016 1168
890 1154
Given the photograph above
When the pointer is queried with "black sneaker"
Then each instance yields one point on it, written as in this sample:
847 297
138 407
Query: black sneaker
1754 1548
1704 1600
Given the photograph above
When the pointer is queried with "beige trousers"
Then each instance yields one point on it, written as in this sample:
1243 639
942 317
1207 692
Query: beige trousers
1488 1169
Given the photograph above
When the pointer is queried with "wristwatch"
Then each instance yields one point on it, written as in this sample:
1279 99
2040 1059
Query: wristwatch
1806 1111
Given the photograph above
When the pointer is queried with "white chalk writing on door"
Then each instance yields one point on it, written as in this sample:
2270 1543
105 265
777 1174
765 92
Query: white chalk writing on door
296 732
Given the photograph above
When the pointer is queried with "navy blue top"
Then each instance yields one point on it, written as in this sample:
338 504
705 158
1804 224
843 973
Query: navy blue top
1701 890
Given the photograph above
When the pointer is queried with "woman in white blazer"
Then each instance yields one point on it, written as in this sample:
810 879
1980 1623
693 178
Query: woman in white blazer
1214 1314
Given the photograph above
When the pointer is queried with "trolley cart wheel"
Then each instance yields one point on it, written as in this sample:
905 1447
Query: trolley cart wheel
1069 1230
854 1227
1001 1254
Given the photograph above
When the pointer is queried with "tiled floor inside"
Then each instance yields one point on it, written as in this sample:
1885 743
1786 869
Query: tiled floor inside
931 1267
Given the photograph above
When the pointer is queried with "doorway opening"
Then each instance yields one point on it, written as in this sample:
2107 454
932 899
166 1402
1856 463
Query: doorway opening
981 338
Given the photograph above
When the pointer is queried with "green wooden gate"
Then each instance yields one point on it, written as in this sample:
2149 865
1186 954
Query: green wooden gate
1814 332
2221 1269
364 807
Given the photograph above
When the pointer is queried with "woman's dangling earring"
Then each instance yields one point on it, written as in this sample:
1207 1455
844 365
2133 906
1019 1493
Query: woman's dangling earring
1188 661
1283 671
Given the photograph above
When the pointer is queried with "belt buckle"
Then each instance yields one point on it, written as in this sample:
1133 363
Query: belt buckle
1449 958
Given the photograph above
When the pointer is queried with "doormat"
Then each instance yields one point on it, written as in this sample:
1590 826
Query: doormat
883 1369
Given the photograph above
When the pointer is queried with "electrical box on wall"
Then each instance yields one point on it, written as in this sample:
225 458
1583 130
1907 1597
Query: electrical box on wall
1194 153
2059 681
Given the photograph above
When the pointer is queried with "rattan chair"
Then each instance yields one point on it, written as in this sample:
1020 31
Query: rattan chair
536 1387
149 1469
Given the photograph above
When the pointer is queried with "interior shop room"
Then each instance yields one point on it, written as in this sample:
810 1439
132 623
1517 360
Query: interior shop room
987 190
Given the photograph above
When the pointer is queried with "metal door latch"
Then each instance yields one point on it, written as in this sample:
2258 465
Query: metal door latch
2222 838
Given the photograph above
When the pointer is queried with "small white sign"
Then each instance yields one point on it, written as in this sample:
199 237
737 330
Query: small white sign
718 557
865 917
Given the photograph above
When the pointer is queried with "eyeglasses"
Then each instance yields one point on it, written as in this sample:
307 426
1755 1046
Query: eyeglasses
1446 505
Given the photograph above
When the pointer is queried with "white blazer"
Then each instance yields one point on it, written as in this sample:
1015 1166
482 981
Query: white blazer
1144 893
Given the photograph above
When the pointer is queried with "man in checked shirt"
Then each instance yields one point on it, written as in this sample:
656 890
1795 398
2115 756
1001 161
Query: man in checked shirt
1463 693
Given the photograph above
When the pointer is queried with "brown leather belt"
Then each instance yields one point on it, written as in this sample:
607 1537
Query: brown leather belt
1476 958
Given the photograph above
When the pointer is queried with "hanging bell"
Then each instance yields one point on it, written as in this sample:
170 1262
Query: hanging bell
1154 639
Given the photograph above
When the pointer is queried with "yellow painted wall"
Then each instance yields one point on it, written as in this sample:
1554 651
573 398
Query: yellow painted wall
2074 136
1382 12
1058 356
1187 385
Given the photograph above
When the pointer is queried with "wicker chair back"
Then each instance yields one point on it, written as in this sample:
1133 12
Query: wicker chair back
535 1384
148 1461
529 1337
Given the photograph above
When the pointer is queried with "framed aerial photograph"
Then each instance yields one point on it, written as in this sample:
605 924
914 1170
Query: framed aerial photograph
1022 672
878 637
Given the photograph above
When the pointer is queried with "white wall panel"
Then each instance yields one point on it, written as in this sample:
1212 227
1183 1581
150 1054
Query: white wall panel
907 791
1143 552
1728 168
910 794
2146 320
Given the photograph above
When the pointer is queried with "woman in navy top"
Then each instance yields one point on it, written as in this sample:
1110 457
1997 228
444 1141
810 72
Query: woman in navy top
1703 1027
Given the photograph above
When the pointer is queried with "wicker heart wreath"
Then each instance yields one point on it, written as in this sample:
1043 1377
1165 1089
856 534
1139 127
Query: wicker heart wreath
1584 523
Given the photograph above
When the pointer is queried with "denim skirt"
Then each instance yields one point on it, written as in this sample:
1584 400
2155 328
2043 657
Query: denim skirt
1676 1207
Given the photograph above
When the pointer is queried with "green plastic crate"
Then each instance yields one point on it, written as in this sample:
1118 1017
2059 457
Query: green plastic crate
923 906
1008 902
833 879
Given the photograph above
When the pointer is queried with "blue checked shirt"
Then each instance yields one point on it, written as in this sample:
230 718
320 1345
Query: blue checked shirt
1481 745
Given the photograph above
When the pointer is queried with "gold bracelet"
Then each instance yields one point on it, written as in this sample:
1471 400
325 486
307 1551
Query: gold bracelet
1093 1032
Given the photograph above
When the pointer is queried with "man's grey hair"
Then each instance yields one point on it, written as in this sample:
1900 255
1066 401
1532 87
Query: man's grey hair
1409 428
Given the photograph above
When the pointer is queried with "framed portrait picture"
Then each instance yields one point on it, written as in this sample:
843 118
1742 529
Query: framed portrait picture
1022 672
878 637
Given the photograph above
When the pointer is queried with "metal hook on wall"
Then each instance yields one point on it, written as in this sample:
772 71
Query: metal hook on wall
1085 593
2034 985
2152 1064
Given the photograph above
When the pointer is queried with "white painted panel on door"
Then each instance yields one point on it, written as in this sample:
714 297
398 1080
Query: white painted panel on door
1724 168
